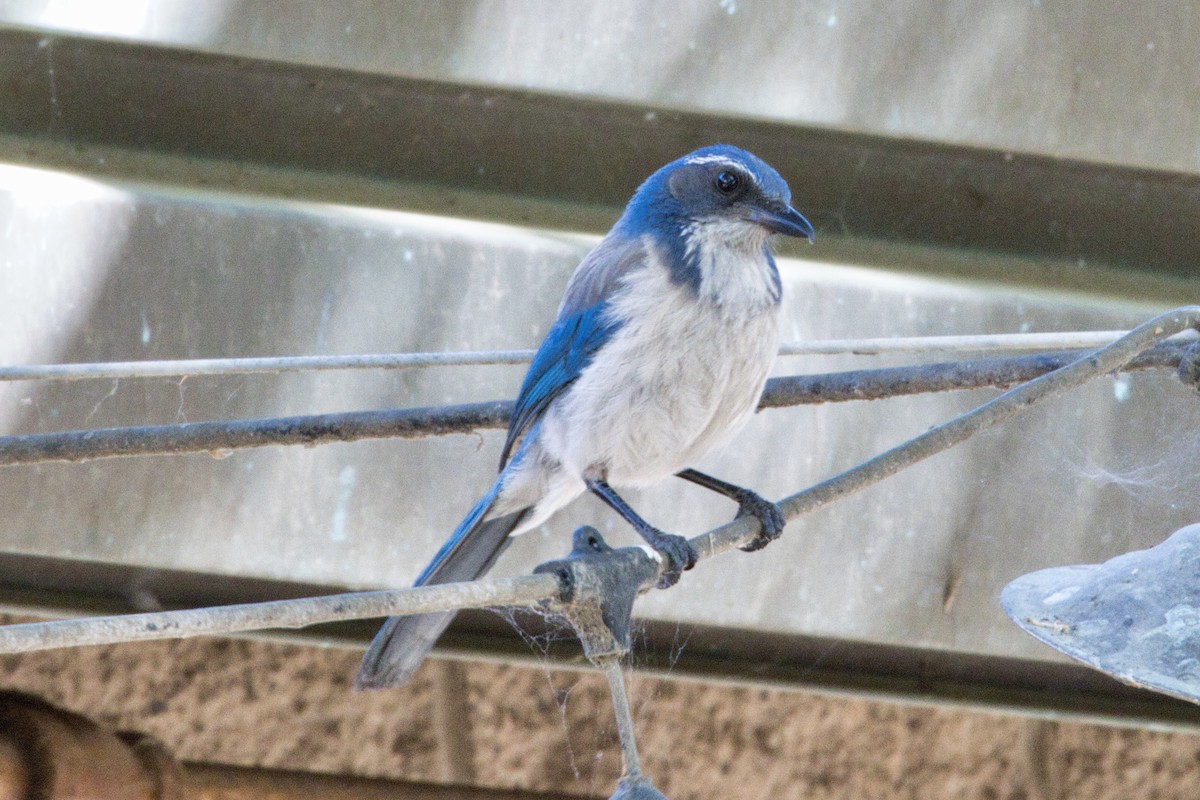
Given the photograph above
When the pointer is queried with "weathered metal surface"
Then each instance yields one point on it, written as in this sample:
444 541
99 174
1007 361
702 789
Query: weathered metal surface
1053 78
130 111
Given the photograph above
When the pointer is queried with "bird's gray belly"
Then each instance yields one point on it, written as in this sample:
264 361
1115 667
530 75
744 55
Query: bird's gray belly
650 405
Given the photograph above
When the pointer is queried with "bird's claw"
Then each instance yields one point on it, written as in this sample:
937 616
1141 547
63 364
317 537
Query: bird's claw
770 519
678 554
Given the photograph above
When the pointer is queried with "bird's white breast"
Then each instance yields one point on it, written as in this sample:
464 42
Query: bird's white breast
683 373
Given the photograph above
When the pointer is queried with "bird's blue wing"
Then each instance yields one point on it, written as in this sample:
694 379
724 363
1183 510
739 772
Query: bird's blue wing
584 324
567 349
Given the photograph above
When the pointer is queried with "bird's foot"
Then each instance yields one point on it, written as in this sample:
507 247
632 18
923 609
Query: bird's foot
678 553
770 519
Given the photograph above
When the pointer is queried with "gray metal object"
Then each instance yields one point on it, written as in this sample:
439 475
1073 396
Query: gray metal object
1058 79
1135 617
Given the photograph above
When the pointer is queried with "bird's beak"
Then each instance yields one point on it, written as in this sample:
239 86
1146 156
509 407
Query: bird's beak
785 220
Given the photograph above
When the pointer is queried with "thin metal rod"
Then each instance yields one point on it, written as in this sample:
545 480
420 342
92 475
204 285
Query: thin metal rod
625 727
298 613
967 343
222 437
1107 359
246 366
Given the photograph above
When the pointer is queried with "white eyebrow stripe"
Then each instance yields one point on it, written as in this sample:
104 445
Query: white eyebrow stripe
727 161
714 160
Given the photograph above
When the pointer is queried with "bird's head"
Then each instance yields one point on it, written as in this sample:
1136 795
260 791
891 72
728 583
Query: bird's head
721 185
716 199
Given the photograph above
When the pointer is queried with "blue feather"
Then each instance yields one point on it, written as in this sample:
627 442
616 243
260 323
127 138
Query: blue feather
403 642
565 353
460 535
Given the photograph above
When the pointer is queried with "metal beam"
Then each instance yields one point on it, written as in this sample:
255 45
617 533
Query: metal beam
349 136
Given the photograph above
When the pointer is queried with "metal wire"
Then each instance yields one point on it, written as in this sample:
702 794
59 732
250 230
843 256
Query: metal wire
246 366
298 613
222 437
971 343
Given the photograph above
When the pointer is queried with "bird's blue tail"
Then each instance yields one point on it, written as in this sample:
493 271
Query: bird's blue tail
403 642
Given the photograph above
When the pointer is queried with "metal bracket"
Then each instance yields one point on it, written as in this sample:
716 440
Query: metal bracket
599 587
600 584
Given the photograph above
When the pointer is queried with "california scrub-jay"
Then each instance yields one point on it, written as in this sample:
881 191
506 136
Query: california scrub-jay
660 351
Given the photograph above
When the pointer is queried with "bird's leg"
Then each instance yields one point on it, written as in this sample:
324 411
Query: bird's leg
769 515
677 550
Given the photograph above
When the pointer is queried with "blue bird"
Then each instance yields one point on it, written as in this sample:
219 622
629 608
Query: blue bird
659 353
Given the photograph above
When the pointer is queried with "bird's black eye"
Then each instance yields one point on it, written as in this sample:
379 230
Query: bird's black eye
728 182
